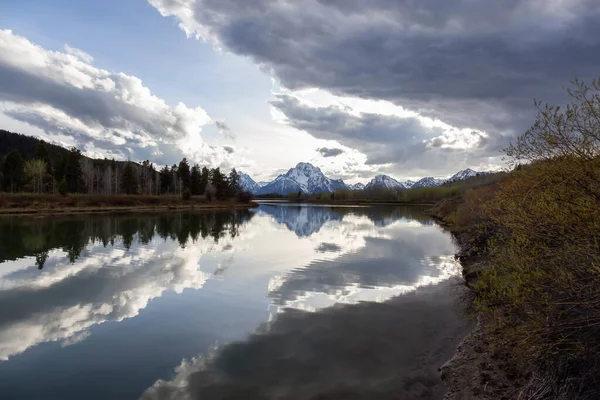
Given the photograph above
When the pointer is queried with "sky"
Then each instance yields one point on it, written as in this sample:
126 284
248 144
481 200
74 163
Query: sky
357 88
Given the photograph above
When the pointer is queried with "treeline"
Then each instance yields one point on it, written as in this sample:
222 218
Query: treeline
51 169
537 234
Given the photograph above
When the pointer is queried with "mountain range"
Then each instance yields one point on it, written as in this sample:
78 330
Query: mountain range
308 179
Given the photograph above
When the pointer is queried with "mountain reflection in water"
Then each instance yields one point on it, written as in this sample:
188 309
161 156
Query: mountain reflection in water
140 293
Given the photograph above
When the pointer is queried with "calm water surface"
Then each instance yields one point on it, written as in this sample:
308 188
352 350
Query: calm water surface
226 305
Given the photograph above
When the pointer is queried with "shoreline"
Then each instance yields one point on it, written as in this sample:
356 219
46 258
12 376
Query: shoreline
327 202
479 368
50 210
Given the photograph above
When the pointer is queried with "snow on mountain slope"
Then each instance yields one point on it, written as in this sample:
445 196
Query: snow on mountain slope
357 186
385 182
464 174
305 178
428 182
248 184
407 183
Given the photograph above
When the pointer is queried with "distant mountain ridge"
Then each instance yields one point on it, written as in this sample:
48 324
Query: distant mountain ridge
308 179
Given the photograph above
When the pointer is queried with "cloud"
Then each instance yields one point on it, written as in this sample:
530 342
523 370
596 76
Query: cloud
311 355
65 95
475 64
80 54
224 129
327 152
53 307
412 145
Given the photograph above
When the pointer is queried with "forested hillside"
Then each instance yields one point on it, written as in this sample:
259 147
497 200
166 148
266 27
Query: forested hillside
28 164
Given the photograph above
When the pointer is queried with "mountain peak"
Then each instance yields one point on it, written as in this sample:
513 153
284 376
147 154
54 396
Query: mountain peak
305 178
386 182
307 167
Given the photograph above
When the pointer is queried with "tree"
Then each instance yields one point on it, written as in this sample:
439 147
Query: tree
183 174
166 180
13 170
219 181
204 179
41 153
196 181
34 171
129 180
234 183
73 173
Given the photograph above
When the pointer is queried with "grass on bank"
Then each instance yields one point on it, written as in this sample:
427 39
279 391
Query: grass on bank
538 231
34 202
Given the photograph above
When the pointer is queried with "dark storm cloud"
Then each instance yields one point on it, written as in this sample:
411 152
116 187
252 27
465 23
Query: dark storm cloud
327 152
476 64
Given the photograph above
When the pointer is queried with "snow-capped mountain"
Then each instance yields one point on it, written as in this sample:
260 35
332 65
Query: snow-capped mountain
248 184
464 174
428 182
308 179
407 183
385 182
305 178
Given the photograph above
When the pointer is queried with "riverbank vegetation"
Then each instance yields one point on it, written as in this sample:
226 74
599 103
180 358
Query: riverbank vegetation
531 243
34 173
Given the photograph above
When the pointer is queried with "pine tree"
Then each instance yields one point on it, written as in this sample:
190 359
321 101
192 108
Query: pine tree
165 180
13 170
204 180
183 174
73 173
196 180
220 183
129 182
234 183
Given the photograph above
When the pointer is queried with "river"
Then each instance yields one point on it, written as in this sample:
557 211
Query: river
280 302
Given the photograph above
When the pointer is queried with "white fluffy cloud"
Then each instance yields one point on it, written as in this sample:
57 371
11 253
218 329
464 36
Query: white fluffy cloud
62 93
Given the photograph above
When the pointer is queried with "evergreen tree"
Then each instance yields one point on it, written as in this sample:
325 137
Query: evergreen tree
204 179
196 180
13 170
129 182
166 180
73 173
234 183
183 174
174 179
220 183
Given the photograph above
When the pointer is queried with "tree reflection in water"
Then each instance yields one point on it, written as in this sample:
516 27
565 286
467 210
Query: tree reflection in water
35 237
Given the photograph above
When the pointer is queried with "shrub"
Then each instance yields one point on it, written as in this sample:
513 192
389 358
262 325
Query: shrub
186 194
